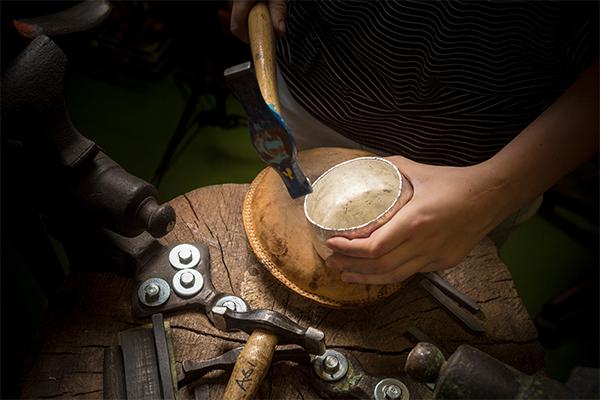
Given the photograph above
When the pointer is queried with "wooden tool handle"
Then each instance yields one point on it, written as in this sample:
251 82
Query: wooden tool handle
262 44
251 366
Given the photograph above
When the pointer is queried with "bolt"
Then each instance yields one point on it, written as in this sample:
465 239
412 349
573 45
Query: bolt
392 392
187 279
185 255
331 364
152 292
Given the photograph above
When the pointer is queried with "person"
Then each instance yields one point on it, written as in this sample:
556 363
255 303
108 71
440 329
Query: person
483 106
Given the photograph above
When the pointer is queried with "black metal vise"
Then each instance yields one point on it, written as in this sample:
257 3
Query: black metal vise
471 374
105 217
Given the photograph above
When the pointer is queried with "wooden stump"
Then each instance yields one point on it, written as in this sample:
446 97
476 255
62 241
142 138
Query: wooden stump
91 308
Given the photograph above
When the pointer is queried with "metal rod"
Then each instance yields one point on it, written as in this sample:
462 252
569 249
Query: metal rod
452 292
461 315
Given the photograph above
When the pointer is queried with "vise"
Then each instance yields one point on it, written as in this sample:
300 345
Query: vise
471 374
104 216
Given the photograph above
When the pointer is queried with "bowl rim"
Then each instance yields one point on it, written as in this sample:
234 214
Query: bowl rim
374 220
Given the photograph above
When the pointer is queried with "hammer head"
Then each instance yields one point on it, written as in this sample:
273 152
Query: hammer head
270 135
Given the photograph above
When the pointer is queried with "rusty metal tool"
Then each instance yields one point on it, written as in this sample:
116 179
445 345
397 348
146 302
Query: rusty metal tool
178 277
467 320
472 374
256 88
194 370
337 374
452 292
142 365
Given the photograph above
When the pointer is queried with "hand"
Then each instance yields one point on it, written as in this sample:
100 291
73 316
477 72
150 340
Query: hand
451 210
239 17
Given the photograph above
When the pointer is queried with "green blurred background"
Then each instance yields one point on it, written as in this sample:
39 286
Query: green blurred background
127 88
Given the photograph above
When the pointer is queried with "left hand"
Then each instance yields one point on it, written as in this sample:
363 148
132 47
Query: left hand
451 210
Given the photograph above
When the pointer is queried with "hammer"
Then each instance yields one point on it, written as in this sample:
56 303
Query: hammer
256 88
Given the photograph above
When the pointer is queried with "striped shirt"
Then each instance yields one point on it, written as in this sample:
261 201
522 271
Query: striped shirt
444 83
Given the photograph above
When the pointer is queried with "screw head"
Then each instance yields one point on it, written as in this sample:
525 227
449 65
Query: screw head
391 389
187 279
234 303
392 392
152 292
331 364
230 305
185 255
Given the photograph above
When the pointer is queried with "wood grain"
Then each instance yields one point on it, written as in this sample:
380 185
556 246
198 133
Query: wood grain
89 310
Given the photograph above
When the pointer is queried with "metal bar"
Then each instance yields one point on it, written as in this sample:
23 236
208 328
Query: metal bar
461 315
202 392
452 292
162 354
139 358
114 374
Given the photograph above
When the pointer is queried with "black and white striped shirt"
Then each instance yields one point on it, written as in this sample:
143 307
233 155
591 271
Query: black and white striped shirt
446 83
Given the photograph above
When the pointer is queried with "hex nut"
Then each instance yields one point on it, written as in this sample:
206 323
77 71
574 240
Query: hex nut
179 258
391 389
185 255
320 365
153 292
331 364
182 278
187 279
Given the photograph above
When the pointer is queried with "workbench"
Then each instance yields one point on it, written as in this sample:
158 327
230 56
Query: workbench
90 309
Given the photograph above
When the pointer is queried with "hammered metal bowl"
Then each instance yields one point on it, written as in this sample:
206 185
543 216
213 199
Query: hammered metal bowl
354 198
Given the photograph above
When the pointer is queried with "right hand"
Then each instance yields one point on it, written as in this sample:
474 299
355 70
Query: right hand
239 17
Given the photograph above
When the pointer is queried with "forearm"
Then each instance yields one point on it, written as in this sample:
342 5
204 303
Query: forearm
562 138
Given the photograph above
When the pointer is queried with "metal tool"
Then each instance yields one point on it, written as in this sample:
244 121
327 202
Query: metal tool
452 292
270 135
81 17
256 88
471 374
275 144
194 370
153 293
337 374
142 365
99 211
432 287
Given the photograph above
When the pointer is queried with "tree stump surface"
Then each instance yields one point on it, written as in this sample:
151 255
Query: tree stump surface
90 309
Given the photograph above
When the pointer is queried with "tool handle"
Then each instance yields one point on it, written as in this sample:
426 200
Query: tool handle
262 44
251 366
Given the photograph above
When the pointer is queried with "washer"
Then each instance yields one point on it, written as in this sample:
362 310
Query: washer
342 366
187 291
163 294
179 263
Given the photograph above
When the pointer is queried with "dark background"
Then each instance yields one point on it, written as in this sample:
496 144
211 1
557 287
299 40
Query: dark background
128 83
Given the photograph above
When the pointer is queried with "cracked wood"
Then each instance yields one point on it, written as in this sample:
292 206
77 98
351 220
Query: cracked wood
66 359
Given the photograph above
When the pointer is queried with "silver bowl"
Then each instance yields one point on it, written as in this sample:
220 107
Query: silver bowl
353 199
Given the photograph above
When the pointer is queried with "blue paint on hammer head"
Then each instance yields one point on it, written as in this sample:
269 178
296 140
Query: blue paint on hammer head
270 135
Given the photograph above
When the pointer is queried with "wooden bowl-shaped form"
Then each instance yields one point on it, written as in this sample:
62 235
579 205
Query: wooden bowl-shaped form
280 236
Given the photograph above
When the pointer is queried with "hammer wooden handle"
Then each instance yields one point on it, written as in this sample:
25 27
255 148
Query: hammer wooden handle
262 44
251 366
255 359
